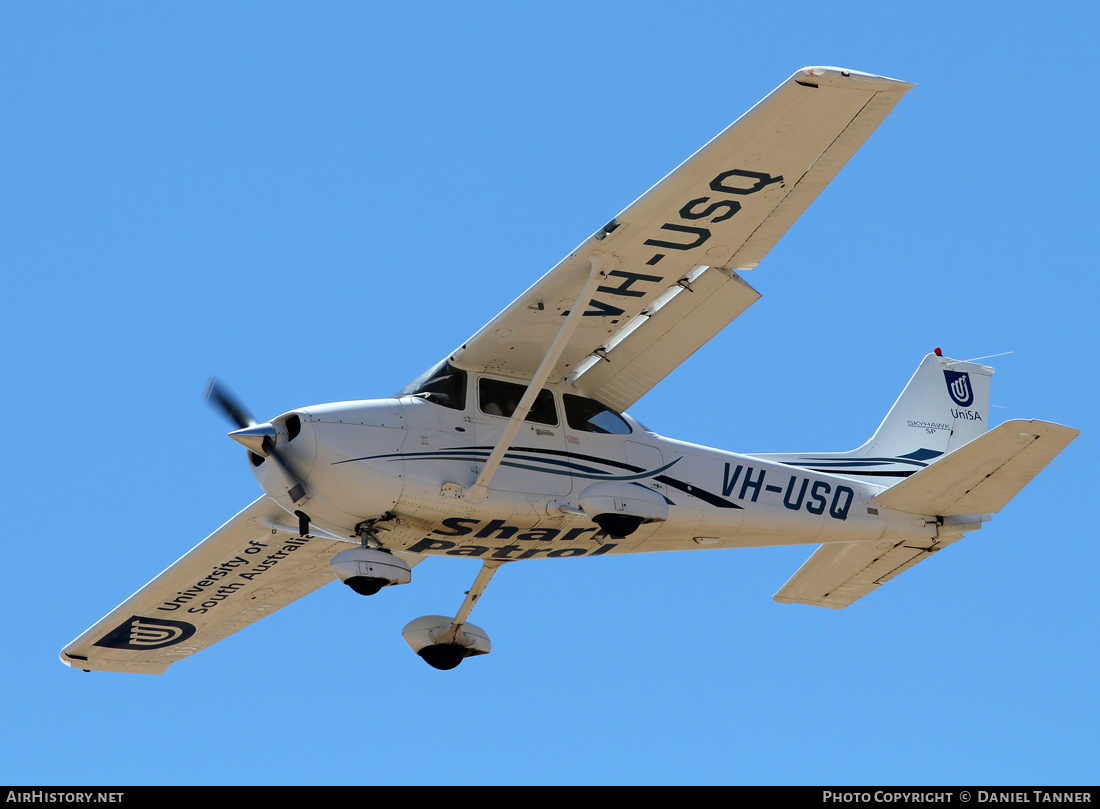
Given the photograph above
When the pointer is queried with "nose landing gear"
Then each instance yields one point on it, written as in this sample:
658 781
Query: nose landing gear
443 656
369 568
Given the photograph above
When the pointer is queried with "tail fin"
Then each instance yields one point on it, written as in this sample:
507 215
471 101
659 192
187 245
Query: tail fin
944 406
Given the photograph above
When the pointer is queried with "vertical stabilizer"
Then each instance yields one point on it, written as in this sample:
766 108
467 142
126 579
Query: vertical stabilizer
944 406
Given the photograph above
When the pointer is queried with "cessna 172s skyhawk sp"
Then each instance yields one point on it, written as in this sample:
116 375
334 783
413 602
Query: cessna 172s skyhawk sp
514 447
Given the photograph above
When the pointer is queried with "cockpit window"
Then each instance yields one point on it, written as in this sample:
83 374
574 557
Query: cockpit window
589 416
443 385
502 399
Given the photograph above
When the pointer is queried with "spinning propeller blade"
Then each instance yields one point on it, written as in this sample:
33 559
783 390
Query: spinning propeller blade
260 439
221 399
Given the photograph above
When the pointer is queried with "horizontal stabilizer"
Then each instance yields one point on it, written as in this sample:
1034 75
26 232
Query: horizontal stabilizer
982 476
838 573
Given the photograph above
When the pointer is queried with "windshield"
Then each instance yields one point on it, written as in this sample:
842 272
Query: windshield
442 384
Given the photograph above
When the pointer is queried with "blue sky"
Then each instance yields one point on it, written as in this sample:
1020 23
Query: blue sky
316 202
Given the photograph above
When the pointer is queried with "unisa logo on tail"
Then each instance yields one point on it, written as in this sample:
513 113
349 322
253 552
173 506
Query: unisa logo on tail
958 386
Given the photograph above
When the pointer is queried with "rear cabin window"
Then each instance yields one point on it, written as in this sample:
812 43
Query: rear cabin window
442 385
589 416
502 398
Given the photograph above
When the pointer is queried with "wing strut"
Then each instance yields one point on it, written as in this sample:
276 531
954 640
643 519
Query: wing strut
479 490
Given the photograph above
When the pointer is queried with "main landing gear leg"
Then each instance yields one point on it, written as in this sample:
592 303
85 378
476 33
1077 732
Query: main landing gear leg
444 643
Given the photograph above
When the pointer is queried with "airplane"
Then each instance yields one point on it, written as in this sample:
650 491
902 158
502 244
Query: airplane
516 446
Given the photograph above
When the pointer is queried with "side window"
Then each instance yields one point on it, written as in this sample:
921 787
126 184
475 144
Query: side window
589 416
444 385
502 399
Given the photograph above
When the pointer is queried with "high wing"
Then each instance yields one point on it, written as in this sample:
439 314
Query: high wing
248 568
669 258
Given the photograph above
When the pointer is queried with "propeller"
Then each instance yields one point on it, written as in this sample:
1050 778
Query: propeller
219 397
260 439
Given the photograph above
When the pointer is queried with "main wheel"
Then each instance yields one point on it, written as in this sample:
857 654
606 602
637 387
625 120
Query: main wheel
443 656
366 586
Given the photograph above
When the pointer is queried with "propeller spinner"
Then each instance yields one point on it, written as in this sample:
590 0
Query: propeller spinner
259 439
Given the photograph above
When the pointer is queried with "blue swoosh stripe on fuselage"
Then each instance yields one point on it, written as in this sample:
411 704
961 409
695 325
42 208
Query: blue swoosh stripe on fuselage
479 454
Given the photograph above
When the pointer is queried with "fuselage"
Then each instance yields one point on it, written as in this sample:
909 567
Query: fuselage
402 463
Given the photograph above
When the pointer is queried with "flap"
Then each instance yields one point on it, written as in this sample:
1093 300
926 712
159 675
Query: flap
673 329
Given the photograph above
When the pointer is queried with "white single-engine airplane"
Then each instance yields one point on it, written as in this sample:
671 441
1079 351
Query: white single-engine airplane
515 447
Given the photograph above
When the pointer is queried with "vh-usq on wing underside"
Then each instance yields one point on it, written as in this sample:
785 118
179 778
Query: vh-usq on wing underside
515 447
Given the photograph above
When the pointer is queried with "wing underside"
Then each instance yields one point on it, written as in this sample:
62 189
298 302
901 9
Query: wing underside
721 210
245 570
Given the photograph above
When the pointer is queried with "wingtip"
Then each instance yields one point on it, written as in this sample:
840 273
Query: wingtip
828 76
